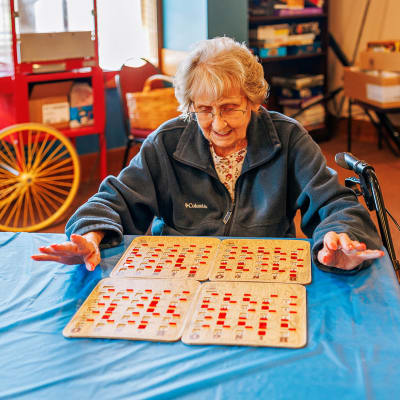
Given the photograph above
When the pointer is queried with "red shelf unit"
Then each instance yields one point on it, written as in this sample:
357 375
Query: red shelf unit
14 89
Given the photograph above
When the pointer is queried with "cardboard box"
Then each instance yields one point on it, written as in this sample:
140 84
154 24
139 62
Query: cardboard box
81 116
81 105
376 89
49 104
379 60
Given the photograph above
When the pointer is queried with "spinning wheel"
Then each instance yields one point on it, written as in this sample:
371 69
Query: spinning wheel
39 176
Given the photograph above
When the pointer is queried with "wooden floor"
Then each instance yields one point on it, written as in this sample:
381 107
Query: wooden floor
387 167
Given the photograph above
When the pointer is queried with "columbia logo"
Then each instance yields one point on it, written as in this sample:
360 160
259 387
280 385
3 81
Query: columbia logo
195 205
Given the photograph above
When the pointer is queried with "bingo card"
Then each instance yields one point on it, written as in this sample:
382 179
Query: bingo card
168 257
247 313
140 309
263 260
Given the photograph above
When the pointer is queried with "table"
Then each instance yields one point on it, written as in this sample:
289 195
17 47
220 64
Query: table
382 123
352 352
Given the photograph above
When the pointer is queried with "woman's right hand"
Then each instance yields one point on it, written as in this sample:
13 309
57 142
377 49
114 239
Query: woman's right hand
82 249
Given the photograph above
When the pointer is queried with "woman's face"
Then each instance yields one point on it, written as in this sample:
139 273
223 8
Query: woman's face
224 121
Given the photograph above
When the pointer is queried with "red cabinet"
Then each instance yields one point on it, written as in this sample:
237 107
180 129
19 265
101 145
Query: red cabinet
47 64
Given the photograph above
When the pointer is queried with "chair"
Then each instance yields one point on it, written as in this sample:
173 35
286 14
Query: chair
130 79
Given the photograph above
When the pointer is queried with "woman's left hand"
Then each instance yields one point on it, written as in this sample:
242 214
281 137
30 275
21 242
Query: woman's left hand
341 252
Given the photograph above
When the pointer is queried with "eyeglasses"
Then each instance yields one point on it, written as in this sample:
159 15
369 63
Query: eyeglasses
227 114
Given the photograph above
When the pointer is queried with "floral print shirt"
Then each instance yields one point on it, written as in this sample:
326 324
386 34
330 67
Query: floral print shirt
229 168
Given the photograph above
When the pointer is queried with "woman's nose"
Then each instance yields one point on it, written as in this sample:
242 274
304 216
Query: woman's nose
218 122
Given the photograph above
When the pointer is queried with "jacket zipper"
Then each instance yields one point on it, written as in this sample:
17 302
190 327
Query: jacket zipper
228 220
228 216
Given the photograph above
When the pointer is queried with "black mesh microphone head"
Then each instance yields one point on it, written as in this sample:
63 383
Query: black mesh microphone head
341 160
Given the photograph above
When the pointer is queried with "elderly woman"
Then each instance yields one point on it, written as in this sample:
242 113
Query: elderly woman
226 167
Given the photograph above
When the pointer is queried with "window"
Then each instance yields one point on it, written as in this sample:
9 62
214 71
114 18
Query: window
44 16
127 28
5 38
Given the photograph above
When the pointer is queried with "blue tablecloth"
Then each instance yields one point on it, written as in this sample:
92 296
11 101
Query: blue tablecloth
353 347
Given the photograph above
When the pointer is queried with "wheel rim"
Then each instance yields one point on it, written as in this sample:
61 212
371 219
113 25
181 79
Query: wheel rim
39 176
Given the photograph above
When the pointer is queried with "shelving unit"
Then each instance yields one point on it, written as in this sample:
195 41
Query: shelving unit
311 63
15 88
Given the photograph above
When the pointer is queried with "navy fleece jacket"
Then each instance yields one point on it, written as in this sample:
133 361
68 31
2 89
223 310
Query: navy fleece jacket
173 179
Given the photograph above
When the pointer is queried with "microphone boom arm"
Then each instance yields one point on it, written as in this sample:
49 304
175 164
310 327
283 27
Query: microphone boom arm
372 194
382 220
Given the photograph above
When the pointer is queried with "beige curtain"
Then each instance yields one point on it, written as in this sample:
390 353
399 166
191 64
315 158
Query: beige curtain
149 20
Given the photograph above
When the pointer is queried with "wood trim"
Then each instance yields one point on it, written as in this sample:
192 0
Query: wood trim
170 60
160 36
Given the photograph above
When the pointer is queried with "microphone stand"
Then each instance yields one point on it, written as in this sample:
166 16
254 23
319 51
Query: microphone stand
372 193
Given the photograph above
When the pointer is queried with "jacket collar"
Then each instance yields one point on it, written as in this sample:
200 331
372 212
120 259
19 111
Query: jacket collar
262 144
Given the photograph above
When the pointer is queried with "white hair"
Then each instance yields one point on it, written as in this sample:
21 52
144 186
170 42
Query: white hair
214 67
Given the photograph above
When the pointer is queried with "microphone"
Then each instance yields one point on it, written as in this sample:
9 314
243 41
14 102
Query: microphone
348 161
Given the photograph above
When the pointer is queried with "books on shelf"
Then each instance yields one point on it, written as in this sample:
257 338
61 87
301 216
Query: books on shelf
312 116
261 7
302 33
316 3
312 48
272 33
300 39
303 93
291 39
298 103
304 11
296 92
305 27
272 51
298 81
284 8
293 4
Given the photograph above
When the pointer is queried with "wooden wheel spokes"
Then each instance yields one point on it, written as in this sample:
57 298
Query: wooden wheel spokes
7 160
49 158
55 168
39 176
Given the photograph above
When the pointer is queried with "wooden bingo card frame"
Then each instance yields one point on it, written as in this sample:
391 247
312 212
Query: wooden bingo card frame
180 257
255 314
141 309
263 260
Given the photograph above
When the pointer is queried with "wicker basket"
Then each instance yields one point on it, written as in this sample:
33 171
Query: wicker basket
150 108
